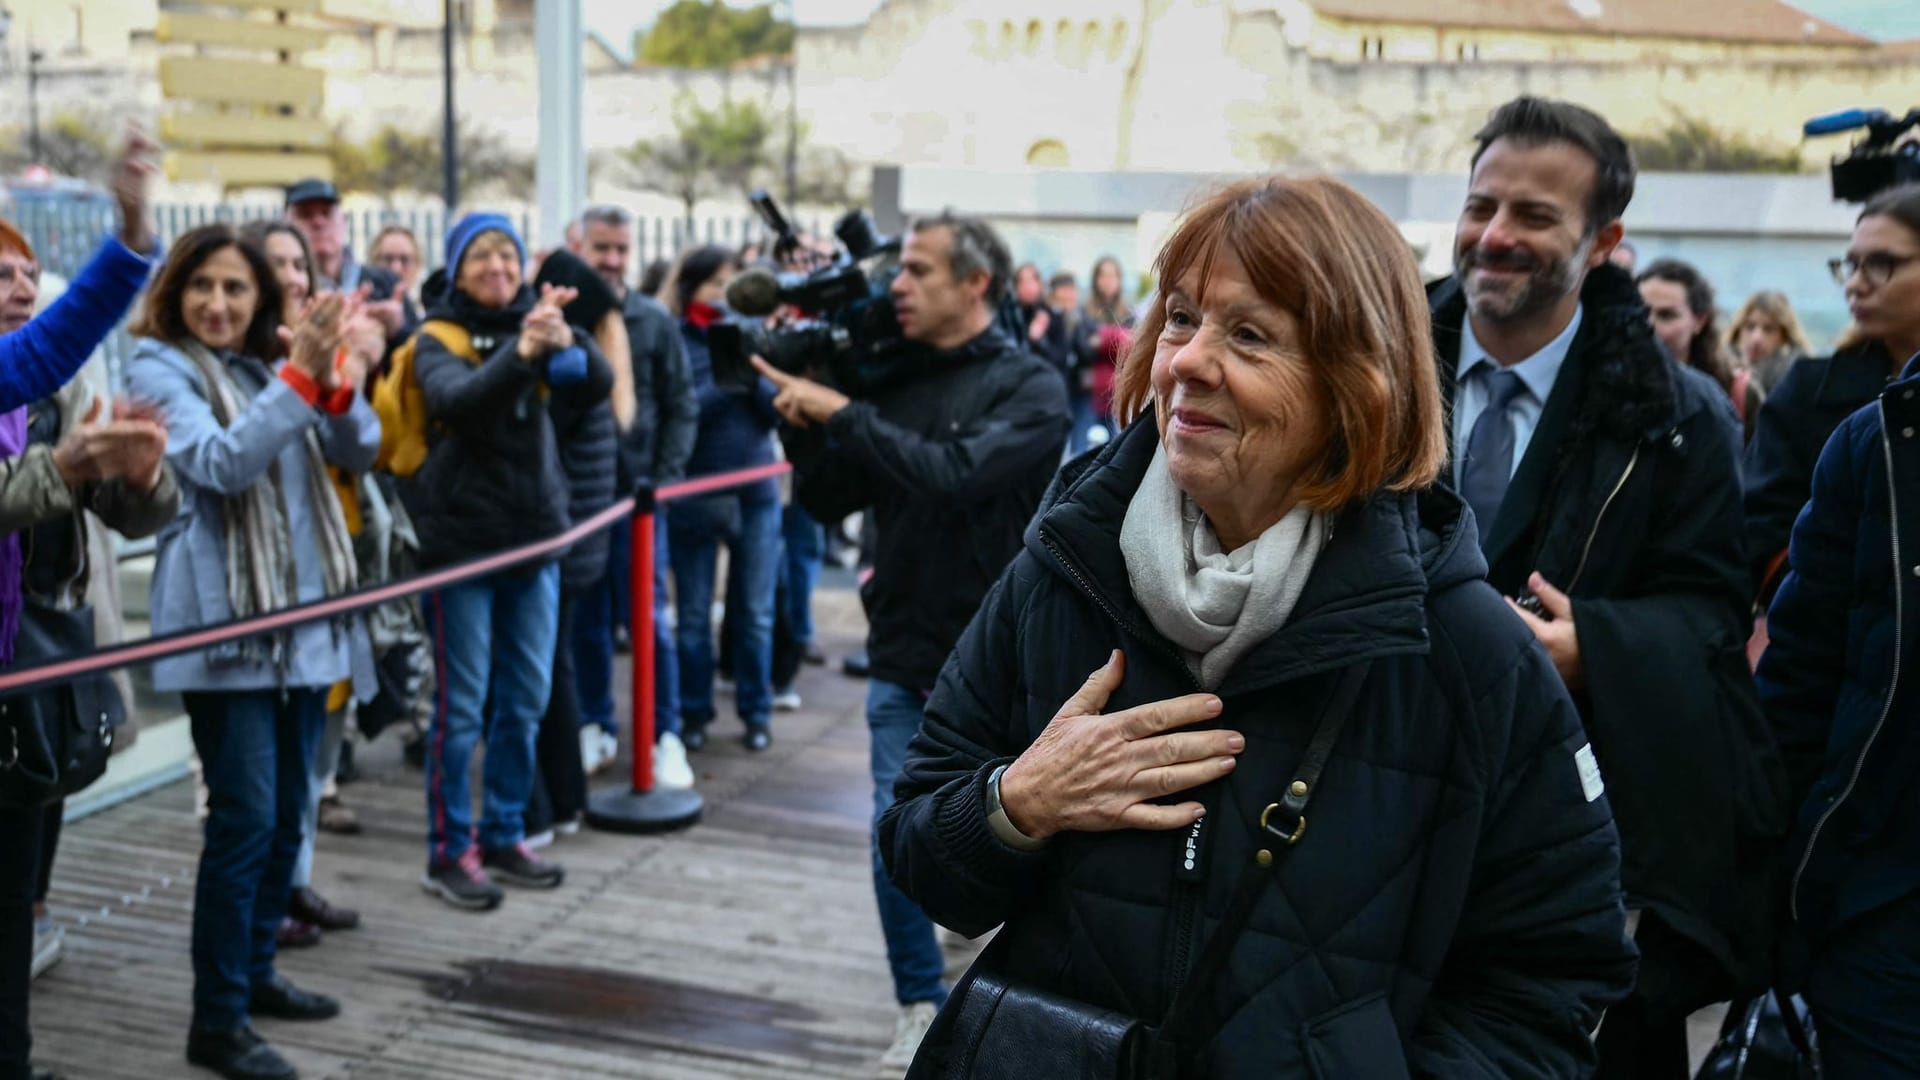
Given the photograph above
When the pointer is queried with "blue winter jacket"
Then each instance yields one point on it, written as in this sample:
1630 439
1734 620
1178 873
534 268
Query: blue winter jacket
40 357
1838 678
212 462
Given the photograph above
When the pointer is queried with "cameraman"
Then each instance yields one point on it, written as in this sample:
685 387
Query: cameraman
953 463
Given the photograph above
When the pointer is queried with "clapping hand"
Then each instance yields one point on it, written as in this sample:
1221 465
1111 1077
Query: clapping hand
545 330
320 336
128 443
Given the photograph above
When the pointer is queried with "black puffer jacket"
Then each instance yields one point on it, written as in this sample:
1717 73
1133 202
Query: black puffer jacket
1795 422
952 461
1628 500
589 456
493 477
1454 909
1838 677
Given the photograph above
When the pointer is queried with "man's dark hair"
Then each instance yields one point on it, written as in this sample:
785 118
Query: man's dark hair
1061 278
975 247
1530 121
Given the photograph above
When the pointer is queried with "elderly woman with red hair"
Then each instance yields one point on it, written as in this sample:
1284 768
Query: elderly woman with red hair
1252 608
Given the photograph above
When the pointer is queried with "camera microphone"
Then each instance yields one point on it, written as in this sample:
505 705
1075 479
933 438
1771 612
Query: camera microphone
754 292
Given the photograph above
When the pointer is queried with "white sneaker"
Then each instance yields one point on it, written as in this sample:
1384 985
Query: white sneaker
609 746
49 942
787 701
540 840
592 757
670 768
908 1030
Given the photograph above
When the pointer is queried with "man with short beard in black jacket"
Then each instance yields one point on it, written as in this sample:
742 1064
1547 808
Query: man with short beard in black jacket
1604 484
952 463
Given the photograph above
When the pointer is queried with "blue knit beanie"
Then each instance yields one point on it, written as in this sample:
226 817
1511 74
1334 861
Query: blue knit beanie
467 228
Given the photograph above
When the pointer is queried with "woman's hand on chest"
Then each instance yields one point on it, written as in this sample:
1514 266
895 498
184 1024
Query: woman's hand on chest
1094 772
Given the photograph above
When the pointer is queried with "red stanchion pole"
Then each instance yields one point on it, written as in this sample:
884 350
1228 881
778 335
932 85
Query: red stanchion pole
642 631
639 807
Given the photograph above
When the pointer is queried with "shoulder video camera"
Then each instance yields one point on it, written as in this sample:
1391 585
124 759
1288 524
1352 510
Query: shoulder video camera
846 334
1878 161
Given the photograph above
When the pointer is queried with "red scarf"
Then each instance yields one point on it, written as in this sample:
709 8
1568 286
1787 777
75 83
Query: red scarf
704 315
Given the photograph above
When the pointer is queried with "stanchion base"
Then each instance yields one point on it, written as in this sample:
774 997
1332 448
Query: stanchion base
624 810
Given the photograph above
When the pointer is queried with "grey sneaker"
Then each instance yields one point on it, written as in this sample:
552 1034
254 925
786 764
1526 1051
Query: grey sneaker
463 883
518 865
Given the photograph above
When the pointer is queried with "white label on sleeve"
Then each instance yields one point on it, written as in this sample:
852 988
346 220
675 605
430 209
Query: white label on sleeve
1589 767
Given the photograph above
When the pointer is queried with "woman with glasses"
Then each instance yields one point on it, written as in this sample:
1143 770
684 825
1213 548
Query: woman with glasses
397 250
1832 684
1881 275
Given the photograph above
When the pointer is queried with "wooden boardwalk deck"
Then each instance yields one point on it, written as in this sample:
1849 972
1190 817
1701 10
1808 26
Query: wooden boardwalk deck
745 947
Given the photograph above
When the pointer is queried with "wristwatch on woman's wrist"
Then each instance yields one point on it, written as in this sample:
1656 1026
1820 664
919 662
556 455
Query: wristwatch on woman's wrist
1002 826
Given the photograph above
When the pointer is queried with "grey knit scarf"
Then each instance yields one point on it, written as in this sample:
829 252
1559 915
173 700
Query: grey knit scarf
1216 605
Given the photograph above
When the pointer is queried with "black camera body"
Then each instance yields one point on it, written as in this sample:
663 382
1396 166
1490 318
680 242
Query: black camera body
1877 162
850 338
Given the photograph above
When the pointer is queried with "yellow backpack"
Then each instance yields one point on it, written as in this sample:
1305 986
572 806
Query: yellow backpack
403 408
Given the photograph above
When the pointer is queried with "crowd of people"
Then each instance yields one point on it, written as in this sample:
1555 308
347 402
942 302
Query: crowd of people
1491 560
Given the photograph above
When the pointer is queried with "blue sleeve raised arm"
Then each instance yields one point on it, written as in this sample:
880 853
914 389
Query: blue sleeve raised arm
40 357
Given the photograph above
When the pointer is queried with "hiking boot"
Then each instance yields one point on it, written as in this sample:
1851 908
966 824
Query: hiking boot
336 817
463 883
282 1000
238 1055
295 934
310 907
518 865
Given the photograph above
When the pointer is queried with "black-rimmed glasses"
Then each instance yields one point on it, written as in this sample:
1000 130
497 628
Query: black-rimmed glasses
1876 267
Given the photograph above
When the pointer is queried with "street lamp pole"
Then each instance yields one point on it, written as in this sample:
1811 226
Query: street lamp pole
793 107
34 56
449 148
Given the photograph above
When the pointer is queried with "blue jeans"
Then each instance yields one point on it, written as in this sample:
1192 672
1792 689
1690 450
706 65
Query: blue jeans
620 567
1084 422
749 523
1864 986
913 952
255 750
806 543
593 622
497 632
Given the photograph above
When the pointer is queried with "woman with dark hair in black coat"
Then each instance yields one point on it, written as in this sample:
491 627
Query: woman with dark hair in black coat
1883 294
1838 683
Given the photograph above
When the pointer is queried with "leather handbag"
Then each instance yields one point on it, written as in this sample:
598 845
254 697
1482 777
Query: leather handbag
1769 1037
1003 1030
54 740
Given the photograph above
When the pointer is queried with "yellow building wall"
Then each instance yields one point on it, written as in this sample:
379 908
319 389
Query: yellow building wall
1344 41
